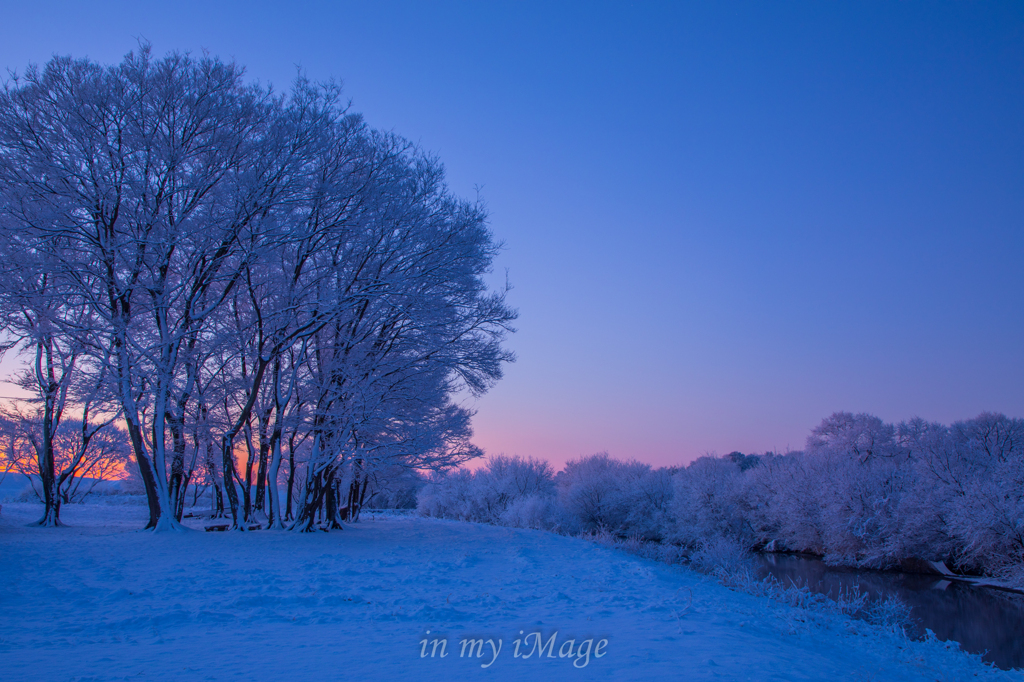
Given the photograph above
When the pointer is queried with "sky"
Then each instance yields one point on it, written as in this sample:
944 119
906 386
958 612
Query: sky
722 221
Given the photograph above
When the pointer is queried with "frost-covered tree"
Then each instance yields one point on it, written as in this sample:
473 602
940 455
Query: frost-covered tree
34 310
138 183
861 475
708 501
868 493
243 269
980 464
601 493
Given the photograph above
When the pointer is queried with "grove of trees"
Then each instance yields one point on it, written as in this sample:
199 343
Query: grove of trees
862 493
259 289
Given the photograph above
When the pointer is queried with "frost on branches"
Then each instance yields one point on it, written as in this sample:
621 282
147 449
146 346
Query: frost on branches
862 493
247 282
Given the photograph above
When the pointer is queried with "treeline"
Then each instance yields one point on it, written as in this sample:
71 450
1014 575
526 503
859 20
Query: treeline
255 286
103 465
862 493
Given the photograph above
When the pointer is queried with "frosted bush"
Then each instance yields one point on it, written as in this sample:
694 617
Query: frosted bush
721 557
449 496
506 480
531 511
648 495
666 552
394 487
891 613
624 498
1011 573
30 493
507 490
588 494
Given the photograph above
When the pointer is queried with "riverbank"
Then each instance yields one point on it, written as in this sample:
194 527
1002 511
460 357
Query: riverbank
914 567
981 620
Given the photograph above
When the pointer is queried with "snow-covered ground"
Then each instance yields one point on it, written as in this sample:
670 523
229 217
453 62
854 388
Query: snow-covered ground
101 600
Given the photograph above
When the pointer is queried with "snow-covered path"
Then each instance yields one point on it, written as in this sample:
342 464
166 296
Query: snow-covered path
100 600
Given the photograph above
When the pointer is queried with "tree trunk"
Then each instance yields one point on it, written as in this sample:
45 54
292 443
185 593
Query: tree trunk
228 463
227 440
288 506
261 470
179 509
274 507
362 496
305 520
332 514
48 474
146 471
321 498
218 511
44 455
247 484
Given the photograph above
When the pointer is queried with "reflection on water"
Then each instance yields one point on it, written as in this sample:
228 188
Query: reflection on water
980 619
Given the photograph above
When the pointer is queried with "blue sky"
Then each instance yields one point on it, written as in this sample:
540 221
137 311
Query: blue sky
723 221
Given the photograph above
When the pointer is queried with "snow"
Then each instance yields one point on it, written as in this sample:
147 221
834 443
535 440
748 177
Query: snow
11 485
101 600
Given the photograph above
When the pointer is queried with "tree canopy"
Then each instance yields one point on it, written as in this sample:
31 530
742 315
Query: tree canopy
215 263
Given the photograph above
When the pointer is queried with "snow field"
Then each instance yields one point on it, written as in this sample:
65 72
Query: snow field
101 600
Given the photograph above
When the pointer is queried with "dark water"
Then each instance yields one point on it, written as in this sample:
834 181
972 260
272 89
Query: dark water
982 620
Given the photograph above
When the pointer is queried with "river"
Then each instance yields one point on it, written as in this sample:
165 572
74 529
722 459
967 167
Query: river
982 620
